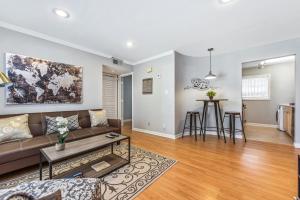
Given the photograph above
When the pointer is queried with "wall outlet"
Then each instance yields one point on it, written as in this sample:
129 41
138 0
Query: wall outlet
164 126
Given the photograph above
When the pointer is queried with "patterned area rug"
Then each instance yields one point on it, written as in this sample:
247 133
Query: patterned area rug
124 183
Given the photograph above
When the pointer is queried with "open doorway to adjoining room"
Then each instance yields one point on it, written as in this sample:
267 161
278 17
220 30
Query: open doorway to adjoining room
126 100
268 97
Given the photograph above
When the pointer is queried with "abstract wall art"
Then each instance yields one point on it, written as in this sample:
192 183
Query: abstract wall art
199 84
38 81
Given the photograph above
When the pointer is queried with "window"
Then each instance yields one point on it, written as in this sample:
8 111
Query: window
256 87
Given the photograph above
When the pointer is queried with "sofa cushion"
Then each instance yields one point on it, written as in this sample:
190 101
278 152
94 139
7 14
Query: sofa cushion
88 132
9 149
101 130
24 148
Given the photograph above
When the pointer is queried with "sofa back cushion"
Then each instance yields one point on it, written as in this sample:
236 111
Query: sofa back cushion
37 122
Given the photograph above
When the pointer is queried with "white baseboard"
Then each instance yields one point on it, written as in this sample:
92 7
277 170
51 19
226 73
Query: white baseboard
155 133
127 120
238 135
297 145
262 125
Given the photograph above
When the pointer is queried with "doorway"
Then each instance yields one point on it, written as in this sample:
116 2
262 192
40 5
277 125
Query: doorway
268 97
126 100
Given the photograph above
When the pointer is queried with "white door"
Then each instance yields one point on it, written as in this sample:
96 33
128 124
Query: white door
110 95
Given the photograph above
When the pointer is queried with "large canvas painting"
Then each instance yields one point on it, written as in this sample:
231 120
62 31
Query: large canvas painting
38 81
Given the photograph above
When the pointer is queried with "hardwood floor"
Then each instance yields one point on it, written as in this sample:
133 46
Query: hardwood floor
266 134
214 170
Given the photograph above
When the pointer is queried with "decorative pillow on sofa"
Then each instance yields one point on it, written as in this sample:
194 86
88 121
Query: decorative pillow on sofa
19 196
14 128
26 196
98 118
73 124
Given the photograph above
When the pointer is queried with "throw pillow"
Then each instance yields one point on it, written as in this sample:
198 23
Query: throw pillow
52 127
52 196
14 128
26 196
98 118
19 196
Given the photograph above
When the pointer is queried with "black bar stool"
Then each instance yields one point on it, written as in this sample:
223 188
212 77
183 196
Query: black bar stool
232 130
192 116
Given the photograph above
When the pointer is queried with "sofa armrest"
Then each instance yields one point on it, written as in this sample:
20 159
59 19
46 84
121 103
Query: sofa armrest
116 123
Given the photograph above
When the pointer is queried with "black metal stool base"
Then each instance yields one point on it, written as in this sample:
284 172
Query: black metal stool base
232 130
218 117
193 119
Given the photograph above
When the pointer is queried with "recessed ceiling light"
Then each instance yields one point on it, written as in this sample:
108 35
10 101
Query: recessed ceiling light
61 13
129 44
225 1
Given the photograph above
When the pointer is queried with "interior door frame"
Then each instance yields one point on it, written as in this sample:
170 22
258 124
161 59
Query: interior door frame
267 58
121 98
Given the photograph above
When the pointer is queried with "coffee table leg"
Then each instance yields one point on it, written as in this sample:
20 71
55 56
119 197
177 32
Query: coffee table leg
50 170
41 167
112 148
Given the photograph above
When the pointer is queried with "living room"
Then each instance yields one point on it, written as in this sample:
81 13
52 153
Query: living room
145 105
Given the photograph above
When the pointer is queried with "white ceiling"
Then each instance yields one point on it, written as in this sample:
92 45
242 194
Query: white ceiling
158 26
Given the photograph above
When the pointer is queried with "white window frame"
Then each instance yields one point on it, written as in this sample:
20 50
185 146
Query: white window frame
268 98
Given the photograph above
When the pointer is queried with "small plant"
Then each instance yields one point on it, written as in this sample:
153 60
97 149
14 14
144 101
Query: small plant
63 130
211 94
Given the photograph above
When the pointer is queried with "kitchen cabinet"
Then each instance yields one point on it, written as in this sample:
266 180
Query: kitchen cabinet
288 120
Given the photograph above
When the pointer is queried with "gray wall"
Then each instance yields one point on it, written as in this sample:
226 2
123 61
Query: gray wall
228 84
155 112
127 97
18 43
228 67
282 91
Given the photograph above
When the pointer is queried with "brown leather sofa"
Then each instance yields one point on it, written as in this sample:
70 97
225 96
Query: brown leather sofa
24 153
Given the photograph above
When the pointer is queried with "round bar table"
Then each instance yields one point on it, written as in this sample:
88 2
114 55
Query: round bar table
218 116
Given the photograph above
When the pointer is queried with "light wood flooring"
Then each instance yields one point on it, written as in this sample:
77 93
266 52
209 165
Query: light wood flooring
266 134
214 170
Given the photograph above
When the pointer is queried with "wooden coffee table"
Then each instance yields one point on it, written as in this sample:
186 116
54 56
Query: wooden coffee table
83 146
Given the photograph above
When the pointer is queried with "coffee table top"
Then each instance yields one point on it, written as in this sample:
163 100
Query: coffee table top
79 147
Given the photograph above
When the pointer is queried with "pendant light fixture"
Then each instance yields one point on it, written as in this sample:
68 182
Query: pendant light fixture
210 75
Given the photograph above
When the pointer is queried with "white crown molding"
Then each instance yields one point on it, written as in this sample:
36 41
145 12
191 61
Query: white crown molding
167 53
73 45
50 38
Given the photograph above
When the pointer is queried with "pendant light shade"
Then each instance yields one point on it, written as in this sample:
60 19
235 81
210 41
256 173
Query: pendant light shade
4 79
210 75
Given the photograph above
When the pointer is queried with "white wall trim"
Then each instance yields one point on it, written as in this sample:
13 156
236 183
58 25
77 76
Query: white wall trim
155 133
154 57
127 120
297 145
238 135
262 125
127 74
55 40
73 45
